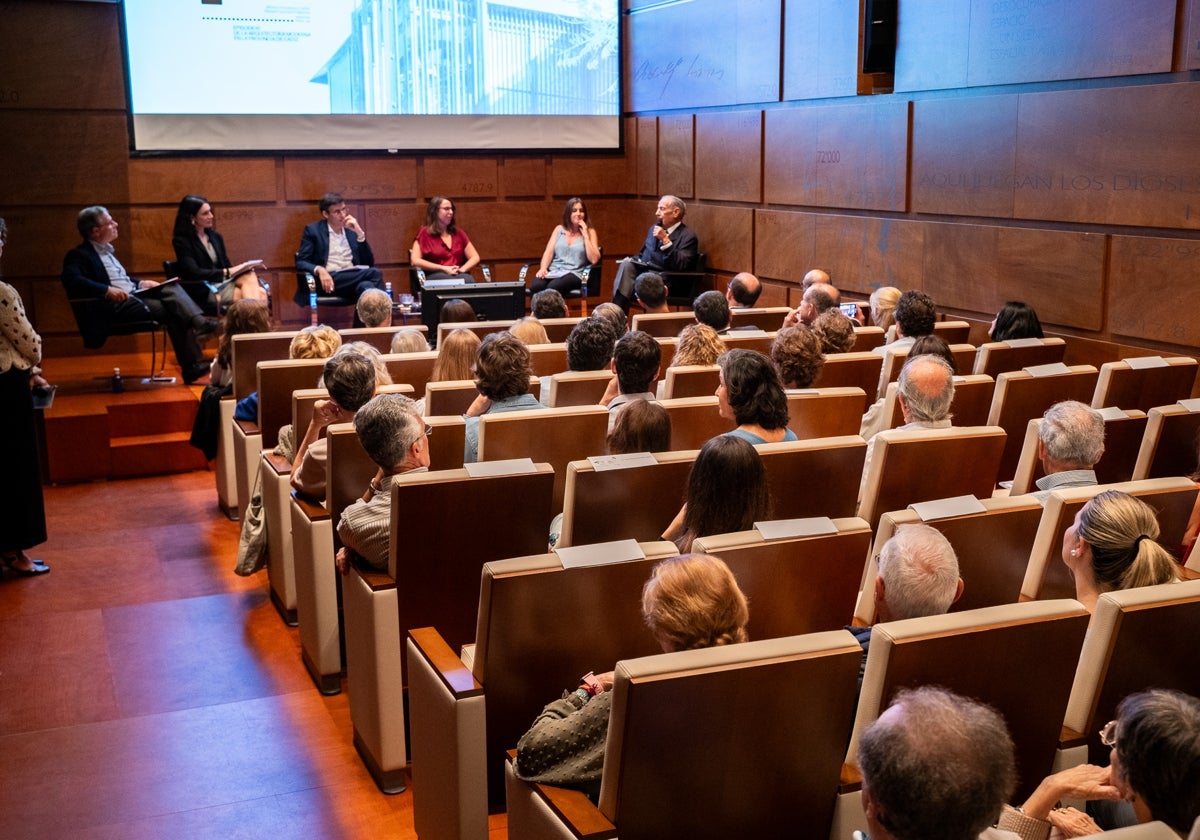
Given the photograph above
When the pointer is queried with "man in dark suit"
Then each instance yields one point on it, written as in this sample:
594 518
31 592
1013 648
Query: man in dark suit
91 270
340 263
670 246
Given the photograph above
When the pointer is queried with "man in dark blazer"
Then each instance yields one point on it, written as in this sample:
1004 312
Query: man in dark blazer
342 264
670 246
91 270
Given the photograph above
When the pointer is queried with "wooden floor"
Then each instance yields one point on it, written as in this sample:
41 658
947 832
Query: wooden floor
146 691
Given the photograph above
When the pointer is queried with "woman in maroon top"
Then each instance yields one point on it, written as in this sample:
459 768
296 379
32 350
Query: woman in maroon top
441 248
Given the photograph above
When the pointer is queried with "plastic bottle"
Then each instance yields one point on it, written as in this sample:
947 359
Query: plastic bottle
118 384
312 297
387 287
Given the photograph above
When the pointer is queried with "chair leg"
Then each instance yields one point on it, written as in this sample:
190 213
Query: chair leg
158 366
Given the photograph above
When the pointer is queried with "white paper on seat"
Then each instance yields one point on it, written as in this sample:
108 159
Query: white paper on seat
801 391
1024 342
779 529
943 508
512 466
603 463
1112 412
1055 369
1192 404
1142 362
599 554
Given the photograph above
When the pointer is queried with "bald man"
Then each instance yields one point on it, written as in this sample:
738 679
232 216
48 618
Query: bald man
818 298
743 291
816 275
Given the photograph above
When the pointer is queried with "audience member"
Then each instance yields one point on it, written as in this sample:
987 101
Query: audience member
442 249
711 309
670 246
615 316
548 303
934 345
642 426
815 275
818 298
689 602
883 306
751 395
915 316
396 438
409 340
530 331
651 292
796 352
590 345
456 311
91 270
572 247
936 766
374 308
636 361
834 330
382 375
1070 443
1015 320
875 420
455 360
698 344
203 264
726 491
502 372
241 318
341 265
743 291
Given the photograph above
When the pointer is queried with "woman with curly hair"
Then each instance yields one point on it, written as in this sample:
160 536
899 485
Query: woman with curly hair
698 344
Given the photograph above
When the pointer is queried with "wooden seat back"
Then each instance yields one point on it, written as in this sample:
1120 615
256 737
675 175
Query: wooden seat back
667 345
997 357
1020 397
557 329
548 359
1141 388
749 340
1123 433
1170 444
454 396
277 380
767 319
662 324
248 350
851 370
691 381
447 442
578 387
813 413
378 337
867 339
925 464
952 332
411 368
970 407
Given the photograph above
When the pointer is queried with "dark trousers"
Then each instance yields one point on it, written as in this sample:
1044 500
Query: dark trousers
628 270
567 283
172 307
22 515
349 283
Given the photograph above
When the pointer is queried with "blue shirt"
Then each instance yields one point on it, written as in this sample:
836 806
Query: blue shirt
471 442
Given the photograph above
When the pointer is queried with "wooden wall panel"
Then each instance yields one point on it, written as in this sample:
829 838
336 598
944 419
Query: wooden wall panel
729 156
820 49
932 53
621 226
1189 36
862 253
647 156
60 157
1151 291
38 237
34 39
308 178
220 180
583 175
676 140
963 156
393 226
703 53
979 267
509 230
461 177
1122 156
524 176
783 244
726 235
851 156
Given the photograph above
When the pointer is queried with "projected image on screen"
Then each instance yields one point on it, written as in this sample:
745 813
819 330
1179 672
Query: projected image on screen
372 74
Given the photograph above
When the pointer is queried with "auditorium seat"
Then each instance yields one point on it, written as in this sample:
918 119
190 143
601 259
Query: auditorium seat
662 324
1169 447
767 318
813 413
851 370
411 368
557 329
867 339
455 396
997 357
893 361
480 328
1131 386
548 359
972 401
691 381
1122 438
578 387
1020 396
749 340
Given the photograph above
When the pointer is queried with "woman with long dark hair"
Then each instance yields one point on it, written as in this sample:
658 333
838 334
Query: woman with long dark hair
200 254
751 395
727 491
572 247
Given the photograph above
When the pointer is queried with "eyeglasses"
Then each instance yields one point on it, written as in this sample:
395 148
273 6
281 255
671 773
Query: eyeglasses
428 430
1108 735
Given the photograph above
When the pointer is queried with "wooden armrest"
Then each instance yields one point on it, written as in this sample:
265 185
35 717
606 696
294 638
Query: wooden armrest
1069 738
455 676
375 579
1188 574
278 463
315 511
851 779
575 809
248 427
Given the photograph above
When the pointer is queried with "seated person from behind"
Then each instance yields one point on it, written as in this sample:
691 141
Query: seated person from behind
835 331
396 438
726 492
689 602
336 252
712 310
614 315
1070 443
917 576
875 421
796 352
642 426
409 340
743 291
590 345
698 344
200 254
350 379
548 303
882 306
374 308
91 270
530 331
442 249
456 311
751 395
651 292
573 246
670 246
319 342
1015 320
915 316
636 360
502 372
818 298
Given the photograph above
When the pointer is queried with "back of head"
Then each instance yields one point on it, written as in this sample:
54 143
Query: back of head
834 330
727 490
530 331
933 345
456 356
382 375
1158 751
548 303
915 314
387 426
927 386
502 367
1016 320
693 601
712 309
319 342
883 306
1073 434
1121 531
698 344
745 288
753 389
823 297
409 340
242 317
590 344
919 571
374 308
641 426
350 379
615 315
936 766
650 289
636 357
815 275
456 311
796 352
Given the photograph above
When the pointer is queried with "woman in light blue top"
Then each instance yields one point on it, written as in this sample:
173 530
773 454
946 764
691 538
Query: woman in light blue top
751 395
572 247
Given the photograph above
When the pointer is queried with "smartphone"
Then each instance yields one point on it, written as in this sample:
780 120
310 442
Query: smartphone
850 310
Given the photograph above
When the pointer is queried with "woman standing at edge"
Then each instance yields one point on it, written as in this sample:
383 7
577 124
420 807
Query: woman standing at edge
572 247
441 248
22 513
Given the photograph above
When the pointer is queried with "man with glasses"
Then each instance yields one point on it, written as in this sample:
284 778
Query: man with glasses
396 438
336 252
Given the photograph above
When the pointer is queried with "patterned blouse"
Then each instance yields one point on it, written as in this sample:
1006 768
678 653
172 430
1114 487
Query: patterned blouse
20 345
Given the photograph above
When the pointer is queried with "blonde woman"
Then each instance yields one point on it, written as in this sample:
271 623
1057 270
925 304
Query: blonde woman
455 360
530 331
883 305
698 344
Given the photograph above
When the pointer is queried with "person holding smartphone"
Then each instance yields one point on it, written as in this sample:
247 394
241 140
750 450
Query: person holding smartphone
670 246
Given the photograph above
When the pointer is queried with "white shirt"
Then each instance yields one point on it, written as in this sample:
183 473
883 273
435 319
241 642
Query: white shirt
340 256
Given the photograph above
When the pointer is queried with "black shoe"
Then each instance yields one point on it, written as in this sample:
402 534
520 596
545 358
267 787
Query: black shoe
197 371
207 327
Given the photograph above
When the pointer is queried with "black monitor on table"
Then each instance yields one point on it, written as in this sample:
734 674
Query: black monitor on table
491 301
